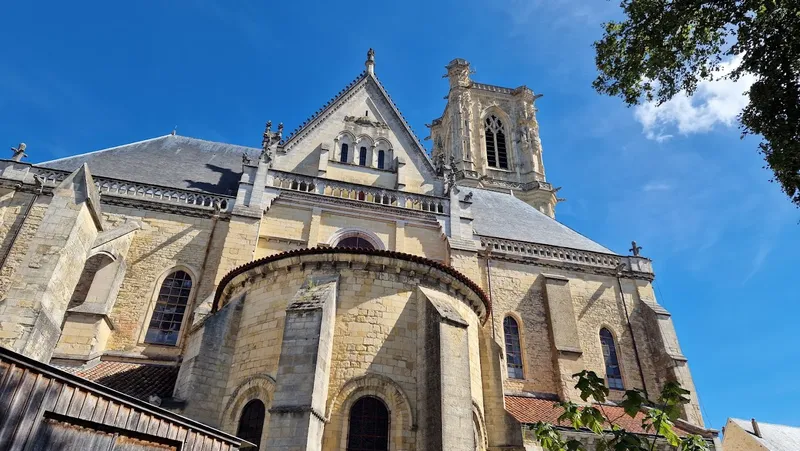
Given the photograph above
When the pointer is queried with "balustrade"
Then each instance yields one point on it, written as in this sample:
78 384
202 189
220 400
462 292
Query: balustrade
343 190
551 252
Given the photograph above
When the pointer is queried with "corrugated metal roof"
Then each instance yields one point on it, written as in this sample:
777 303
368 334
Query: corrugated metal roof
172 161
502 215
775 437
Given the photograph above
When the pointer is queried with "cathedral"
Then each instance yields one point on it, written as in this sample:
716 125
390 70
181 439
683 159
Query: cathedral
339 287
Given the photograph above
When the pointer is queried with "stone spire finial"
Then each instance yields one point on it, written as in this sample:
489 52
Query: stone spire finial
370 63
19 152
635 249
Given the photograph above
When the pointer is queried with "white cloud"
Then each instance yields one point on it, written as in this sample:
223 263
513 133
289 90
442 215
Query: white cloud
714 102
656 186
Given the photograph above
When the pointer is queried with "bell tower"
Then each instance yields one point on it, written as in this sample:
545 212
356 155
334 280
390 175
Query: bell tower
492 134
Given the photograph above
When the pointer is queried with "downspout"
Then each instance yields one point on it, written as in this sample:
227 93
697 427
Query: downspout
620 267
18 229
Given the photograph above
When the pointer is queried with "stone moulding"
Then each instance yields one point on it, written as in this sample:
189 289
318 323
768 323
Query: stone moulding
381 260
568 258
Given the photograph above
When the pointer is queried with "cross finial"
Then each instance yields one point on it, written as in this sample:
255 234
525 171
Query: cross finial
19 152
635 249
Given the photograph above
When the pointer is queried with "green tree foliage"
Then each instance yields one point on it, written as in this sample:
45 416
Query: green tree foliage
658 421
663 47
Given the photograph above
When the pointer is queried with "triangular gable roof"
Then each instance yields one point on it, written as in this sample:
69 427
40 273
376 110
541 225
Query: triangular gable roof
364 77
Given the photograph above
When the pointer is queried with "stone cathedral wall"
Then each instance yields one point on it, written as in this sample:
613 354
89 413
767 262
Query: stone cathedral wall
377 331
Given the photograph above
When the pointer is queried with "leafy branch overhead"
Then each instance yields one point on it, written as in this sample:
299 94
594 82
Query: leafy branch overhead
658 421
663 47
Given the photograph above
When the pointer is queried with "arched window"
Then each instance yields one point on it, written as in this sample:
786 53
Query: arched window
355 242
496 155
343 154
362 156
613 373
381 159
369 425
251 423
165 324
513 348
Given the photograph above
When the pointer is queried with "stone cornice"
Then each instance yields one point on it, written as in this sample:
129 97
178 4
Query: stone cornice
434 272
567 258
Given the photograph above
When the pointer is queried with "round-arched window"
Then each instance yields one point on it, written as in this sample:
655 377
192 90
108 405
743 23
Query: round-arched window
251 423
355 242
369 425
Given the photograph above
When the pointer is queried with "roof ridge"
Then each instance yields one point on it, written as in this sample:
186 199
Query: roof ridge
102 150
212 142
296 132
141 142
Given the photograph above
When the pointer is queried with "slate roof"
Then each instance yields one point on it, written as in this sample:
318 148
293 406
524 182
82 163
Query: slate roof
774 437
529 410
134 379
502 215
171 161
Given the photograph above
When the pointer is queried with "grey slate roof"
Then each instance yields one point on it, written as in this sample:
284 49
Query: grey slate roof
172 161
774 437
502 215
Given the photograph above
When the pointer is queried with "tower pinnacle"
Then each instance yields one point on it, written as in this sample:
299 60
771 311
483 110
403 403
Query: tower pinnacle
370 62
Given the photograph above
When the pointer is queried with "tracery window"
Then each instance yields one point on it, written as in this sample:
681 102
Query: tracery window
496 154
613 373
369 425
513 348
343 154
251 423
362 156
165 324
381 159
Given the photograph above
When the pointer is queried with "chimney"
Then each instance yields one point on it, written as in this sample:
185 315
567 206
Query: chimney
756 429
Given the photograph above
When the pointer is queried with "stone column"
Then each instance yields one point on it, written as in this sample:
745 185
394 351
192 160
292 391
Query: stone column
297 416
37 299
446 416
563 334
400 236
203 376
313 227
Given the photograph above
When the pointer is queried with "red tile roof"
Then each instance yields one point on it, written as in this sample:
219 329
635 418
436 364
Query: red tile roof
134 379
529 410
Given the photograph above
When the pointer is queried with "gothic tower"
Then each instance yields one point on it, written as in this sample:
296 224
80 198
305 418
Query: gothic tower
492 135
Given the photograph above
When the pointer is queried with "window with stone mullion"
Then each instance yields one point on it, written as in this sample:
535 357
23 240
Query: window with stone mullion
496 152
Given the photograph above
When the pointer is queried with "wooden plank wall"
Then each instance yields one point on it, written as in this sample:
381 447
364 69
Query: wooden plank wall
27 396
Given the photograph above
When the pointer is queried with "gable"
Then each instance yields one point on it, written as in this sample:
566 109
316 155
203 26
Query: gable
360 116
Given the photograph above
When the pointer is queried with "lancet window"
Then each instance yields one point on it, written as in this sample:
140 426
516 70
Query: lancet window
496 151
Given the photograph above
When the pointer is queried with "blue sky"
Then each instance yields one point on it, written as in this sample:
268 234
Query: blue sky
677 179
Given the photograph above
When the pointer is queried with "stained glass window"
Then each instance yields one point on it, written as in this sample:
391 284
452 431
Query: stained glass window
165 324
513 348
613 373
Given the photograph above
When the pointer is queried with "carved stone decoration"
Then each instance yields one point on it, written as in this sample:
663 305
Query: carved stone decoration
450 176
269 142
19 152
366 122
